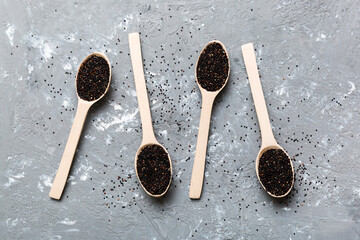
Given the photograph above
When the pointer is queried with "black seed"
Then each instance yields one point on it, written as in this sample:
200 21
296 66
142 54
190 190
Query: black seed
153 169
212 67
275 171
93 78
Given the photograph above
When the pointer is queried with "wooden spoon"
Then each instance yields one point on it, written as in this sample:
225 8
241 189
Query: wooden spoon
208 98
267 136
143 102
75 133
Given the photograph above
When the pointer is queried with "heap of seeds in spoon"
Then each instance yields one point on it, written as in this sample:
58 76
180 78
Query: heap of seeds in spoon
213 67
153 169
93 78
275 172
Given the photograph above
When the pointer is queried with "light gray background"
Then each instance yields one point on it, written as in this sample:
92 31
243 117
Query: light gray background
308 56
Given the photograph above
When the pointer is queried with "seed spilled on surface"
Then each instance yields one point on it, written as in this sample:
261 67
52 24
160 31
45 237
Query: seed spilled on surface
153 169
275 171
212 67
93 78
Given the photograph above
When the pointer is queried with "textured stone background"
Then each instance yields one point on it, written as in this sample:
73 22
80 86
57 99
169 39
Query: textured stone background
308 56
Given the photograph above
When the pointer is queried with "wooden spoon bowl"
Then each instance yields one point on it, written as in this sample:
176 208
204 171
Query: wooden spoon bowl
261 152
142 146
98 54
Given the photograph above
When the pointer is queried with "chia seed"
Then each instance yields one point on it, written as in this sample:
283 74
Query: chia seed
275 171
153 169
213 67
93 78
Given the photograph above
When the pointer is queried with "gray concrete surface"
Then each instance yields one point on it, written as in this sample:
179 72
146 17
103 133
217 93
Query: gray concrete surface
308 56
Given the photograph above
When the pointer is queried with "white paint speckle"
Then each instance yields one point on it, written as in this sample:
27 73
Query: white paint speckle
115 120
122 24
85 170
47 51
68 222
5 74
19 175
40 187
108 140
357 191
56 237
67 66
72 230
47 180
164 133
116 106
10 33
84 177
66 103
46 48
88 136
281 90
321 37
71 180
10 182
13 177
71 38
30 68
352 85
12 223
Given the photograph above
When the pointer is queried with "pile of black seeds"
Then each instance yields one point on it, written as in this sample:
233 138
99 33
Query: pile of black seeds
212 67
275 171
93 78
153 168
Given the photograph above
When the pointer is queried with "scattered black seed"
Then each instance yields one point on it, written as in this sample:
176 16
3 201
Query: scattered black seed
275 171
212 67
93 78
307 182
153 169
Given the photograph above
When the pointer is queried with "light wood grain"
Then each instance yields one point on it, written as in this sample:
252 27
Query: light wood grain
208 97
143 102
83 107
141 91
267 137
70 149
197 177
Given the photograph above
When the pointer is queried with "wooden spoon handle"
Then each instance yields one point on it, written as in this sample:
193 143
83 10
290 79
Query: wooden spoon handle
197 176
69 152
140 84
258 95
